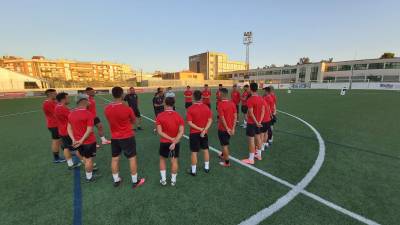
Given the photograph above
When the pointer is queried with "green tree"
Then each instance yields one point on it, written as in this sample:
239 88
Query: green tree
387 55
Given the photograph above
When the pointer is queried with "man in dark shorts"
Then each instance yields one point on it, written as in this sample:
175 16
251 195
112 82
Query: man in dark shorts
188 94
235 97
92 108
133 101
121 118
206 94
272 99
158 101
199 118
255 116
61 113
48 107
80 130
245 95
266 124
226 125
170 127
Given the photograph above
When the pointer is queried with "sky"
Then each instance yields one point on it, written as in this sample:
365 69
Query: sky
161 35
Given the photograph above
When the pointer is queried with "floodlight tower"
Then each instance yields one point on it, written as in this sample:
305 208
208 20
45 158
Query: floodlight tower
247 41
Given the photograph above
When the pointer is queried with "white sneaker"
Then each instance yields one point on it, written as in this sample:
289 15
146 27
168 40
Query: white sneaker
163 182
173 183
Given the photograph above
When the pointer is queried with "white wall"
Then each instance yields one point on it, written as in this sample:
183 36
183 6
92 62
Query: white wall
12 81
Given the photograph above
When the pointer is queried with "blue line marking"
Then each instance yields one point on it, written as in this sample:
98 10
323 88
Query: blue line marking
77 196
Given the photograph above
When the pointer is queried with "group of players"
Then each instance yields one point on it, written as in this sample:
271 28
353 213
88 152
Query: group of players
74 129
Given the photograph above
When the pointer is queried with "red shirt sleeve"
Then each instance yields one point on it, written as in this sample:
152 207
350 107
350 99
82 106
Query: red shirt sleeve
181 121
221 112
90 120
250 103
189 115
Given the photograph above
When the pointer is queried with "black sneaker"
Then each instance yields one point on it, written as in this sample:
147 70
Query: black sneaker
190 173
95 176
75 165
118 183
139 183
206 170
140 128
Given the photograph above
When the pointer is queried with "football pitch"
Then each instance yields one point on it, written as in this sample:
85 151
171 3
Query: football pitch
335 160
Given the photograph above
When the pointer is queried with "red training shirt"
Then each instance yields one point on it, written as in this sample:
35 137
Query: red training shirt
218 96
170 121
245 95
120 117
61 113
206 93
256 103
235 96
188 95
92 106
198 113
226 109
48 109
80 119
268 112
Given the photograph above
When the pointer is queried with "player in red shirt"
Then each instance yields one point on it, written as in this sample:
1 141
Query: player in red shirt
206 94
188 94
170 127
245 95
227 116
61 113
218 95
121 119
272 99
266 128
92 108
255 116
235 97
80 130
48 108
199 118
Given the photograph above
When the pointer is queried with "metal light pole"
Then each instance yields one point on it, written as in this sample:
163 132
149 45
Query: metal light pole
247 41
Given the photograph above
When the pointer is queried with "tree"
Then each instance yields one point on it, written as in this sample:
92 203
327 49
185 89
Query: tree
303 60
387 55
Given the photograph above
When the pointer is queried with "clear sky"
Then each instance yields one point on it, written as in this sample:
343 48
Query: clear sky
160 35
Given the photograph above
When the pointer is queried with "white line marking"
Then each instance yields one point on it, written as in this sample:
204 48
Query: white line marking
296 189
17 114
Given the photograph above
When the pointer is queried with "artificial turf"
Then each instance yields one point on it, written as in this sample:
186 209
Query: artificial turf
360 172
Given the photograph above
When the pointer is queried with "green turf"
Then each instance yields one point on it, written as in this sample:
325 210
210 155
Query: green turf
360 172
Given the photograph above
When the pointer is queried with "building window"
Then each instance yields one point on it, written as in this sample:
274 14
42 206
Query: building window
314 73
360 66
285 71
344 67
276 72
198 67
293 71
331 69
30 85
375 66
392 65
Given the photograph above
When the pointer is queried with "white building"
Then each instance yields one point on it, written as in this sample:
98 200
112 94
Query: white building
385 70
13 81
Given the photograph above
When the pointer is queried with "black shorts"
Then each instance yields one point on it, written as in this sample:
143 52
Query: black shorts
96 120
252 130
244 109
274 119
88 150
54 133
265 126
136 111
127 145
223 137
66 143
196 142
158 110
188 104
166 153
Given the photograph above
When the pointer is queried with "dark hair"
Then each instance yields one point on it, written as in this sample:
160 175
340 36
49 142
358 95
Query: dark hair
254 87
170 101
246 85
48 91
224 91
235 85
188 86
117 92
206 85
61 96
89 89
220 85
197 95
